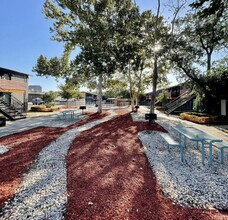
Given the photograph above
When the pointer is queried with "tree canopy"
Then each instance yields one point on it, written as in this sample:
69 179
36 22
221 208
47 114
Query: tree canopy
115 37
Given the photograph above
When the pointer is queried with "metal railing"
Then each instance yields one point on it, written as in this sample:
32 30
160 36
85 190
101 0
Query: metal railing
13 107
179 101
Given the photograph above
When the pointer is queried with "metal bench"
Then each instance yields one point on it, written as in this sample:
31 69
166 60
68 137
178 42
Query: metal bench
172 143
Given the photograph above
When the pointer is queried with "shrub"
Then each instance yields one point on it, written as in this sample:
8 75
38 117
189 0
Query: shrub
200 118
43 108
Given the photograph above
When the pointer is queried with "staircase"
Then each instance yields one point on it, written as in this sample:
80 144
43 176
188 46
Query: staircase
14 111
179 101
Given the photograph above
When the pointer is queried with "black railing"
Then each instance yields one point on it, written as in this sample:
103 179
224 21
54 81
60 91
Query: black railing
12 107
179 101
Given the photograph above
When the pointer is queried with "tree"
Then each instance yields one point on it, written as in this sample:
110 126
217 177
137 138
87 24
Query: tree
200 35
49 97
69 91
91 26
162 97
161 43
135 59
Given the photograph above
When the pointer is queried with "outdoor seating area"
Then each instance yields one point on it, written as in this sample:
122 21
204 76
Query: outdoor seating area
114 110
198 136
172 143
68 114
187 181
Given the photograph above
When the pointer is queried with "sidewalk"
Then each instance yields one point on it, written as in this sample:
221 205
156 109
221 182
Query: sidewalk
35 119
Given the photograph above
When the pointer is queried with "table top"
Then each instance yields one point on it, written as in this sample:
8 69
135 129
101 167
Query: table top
68 110
195 134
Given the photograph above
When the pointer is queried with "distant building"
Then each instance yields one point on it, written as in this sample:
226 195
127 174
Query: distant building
88 97
34 91
34 88
181 99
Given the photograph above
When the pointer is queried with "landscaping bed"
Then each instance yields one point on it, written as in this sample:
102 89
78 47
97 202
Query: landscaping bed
108 173
202 118
44 108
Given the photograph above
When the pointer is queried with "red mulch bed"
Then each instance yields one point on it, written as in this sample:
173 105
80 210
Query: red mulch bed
108 173
109 177
25 146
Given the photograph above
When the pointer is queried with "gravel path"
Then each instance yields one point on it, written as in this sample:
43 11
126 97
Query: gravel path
43 193
189 183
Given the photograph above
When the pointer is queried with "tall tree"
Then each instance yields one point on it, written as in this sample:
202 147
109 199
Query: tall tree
200 35
91 26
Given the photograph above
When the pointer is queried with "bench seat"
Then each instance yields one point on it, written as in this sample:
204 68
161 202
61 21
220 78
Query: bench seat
172 143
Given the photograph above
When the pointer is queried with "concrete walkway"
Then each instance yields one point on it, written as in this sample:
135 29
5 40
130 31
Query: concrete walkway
33 120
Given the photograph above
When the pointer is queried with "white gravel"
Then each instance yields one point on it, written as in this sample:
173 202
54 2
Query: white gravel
43 193
189 183
3 149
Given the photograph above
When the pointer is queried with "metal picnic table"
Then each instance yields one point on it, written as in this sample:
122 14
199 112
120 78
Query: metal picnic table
194 134
67 112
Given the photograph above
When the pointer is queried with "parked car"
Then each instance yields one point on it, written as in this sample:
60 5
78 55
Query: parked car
37 101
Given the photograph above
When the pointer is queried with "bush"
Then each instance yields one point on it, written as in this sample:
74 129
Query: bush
43 108
200 118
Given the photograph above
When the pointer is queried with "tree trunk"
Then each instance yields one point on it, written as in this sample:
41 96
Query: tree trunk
155 78
130 87
132 103
100 79
155 71
136 100
209 60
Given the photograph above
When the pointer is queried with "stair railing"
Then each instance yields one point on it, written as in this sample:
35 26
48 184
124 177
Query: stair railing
15 104
176 100
179 101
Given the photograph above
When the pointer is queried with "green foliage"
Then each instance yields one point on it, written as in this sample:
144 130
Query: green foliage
118 93
162 97
69 91
209 7
200 35
49 97
216 83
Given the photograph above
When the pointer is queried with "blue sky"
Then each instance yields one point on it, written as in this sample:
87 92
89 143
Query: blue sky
25 35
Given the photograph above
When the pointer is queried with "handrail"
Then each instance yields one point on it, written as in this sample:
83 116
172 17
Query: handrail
179 101
13 109
16 103
183 101
169 104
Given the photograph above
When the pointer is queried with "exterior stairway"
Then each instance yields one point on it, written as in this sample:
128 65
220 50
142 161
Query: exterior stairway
179 101
14 111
